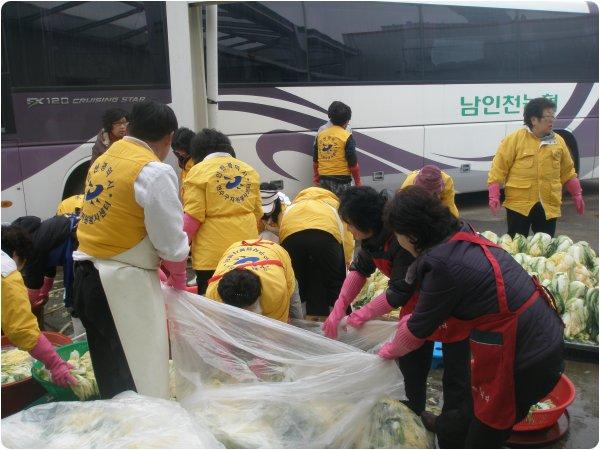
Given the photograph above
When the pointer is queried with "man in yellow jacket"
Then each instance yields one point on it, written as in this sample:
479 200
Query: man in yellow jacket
533 163
334 153
320 245
221 199
257 275
18 322
432 179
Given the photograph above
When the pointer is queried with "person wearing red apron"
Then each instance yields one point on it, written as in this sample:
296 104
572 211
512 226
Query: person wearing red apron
470 286
362 209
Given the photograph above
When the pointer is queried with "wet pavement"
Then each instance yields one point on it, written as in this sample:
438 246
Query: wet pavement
583 432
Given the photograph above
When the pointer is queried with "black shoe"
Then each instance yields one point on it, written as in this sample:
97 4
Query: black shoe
429 420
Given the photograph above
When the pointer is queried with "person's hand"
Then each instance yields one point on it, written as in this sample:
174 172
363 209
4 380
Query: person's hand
494 197
574 188
330 326
59 369
177 278
375 308
61 374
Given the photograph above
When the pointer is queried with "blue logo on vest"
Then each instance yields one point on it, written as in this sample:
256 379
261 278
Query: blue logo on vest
247 259
90 195
234 183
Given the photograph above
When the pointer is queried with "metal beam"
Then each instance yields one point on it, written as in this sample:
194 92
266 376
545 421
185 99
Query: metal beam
99 23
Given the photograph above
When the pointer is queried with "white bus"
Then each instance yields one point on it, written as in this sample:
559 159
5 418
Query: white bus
428 82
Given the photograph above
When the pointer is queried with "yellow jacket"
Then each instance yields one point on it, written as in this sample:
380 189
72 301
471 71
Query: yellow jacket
532 171
316 209
18 322
68 205
223 193
448 193
111 220
277 281
331 151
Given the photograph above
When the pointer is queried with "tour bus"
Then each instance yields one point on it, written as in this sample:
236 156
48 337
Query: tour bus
429 82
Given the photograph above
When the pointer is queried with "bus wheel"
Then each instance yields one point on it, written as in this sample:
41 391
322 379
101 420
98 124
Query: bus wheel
572 144
76 182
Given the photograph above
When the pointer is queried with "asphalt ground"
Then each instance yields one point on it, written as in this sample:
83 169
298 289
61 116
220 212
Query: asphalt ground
473 207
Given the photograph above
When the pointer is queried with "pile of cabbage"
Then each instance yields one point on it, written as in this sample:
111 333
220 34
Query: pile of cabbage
569 270
16 365
376 284
83 372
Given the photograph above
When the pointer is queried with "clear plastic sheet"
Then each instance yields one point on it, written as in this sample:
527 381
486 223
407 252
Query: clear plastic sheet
129 420
260 383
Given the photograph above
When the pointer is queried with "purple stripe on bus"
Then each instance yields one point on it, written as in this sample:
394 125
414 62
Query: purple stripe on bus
271 92
593 8
11 167
576 101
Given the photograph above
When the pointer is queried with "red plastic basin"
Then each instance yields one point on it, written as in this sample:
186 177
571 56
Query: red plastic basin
17 395
562 396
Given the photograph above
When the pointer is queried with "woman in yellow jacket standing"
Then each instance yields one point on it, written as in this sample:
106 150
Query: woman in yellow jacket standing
320 246
221 198
533 163
18 322
435 181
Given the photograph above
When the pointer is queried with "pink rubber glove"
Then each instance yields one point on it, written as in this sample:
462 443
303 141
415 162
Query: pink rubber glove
574 188
190 226
353 283
403 342
177 278
59 369
355 171
315 179
34 295
494 197
162 276
46 287
375 308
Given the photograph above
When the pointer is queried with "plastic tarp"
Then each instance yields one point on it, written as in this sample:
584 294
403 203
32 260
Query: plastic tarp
129 420
260 383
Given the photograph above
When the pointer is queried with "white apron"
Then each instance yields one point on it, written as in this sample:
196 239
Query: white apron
130 281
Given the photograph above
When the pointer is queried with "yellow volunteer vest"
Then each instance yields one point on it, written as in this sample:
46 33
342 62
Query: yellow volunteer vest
331 151
111 220
532 171
316 209
18 322
223 193
447 196
277 282
69 205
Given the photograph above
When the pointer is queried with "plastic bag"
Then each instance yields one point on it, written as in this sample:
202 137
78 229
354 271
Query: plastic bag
129 420
260 383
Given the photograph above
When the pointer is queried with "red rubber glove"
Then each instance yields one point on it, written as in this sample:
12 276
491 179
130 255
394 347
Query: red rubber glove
177 278
190 226
315 179
355 171
46 287
353 283
574 188
403 342
59 369
375 308
494 197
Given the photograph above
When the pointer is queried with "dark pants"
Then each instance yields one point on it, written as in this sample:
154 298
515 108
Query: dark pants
518 223
415 369
202 277
337 185
319 265
532 384
108 359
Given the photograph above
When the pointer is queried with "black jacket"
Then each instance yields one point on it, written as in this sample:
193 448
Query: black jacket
457 280
385 248
46 236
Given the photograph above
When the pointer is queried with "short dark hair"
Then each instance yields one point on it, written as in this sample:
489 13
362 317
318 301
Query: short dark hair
111 116
420 215
362 207
239 287
182 139
339 113
208 141
151 121
535 108
16 240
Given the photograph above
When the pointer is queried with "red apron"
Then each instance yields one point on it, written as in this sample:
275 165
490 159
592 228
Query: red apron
493 344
